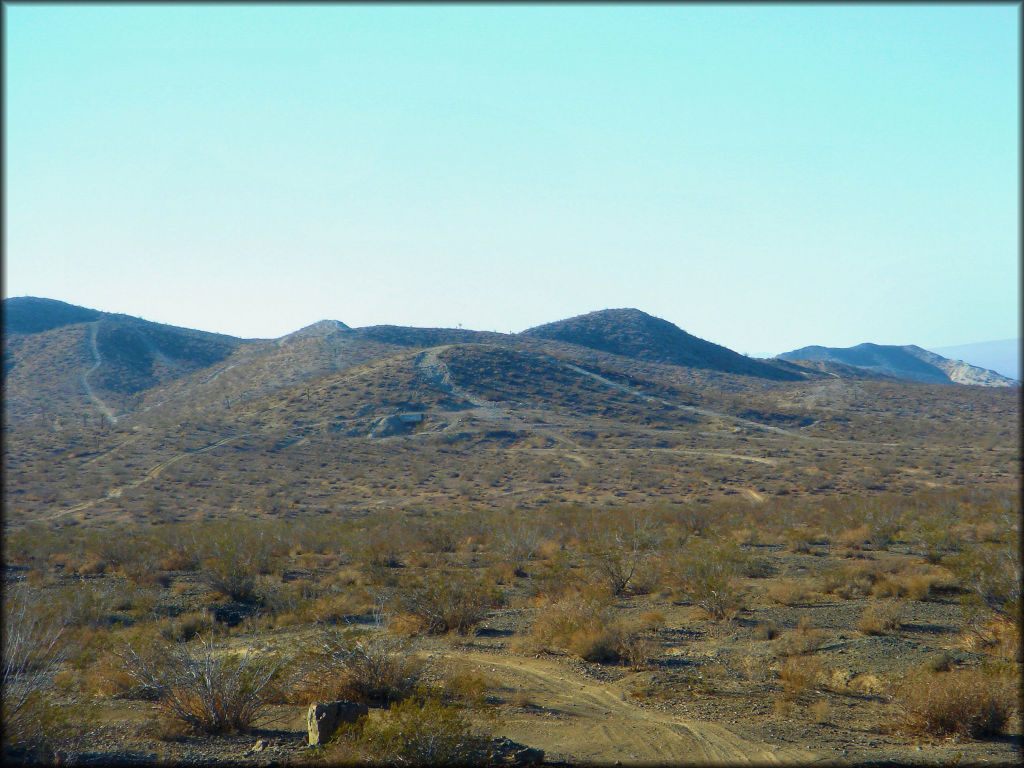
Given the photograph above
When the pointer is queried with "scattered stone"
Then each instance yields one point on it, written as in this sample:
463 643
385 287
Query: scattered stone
323 718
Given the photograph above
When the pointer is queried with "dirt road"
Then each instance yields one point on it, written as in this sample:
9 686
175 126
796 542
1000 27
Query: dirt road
575 719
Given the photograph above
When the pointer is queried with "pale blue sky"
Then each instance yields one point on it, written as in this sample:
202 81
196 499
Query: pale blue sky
766 177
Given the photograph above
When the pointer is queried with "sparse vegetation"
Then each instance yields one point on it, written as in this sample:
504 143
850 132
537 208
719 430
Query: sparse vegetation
598 531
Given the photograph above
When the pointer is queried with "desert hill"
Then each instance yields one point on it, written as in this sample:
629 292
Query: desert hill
59 357
632 333
903 362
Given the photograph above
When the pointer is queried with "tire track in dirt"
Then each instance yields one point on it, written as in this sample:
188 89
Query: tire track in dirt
575 719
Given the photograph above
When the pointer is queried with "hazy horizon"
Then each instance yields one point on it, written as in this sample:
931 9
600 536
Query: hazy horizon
765 177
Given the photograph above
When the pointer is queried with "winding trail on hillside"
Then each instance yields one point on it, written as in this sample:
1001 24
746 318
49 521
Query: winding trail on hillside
576 719
661 401
98 361
436 372
151 474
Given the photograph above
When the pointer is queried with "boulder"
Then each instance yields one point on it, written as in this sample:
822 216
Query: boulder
323 718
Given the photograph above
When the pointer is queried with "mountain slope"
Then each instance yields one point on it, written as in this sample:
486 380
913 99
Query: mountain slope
632 333
903 362
59 357
1001 356
29 314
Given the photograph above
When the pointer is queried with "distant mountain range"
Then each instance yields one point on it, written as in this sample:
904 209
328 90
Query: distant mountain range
1001 356
902 362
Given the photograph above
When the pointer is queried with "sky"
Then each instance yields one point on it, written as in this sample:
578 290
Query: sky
764 176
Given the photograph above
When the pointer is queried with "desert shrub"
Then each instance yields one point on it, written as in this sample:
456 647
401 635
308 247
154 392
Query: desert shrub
881 618
373 667
557 621
804 639
849 581
443 603
992 574
230 563
600 645
757 567
203 685
707 574
619 546
33 650
798 676
519 541
960 702
853 538
87 602
938 662
385 545
582 624
787 592
556 577
799 540
934 540
417 731
637 649
181 629
467 687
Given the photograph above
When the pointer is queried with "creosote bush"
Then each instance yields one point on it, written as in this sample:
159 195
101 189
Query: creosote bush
416 731
204 685
707 573
368 666
444 603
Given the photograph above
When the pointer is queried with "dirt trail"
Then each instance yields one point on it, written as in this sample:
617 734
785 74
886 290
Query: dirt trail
575 719
435 371
150 474
688 408
98 361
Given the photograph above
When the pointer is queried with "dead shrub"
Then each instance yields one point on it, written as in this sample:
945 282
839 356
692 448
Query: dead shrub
961 702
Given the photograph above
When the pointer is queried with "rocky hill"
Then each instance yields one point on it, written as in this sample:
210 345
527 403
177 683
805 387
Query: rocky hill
632 333
902 362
